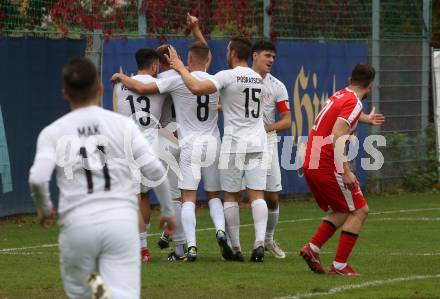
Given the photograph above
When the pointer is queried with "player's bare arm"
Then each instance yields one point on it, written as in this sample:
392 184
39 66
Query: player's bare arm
135 85
374 119
193 24
340 130
153 170
219 106
39 178
196 86
283 124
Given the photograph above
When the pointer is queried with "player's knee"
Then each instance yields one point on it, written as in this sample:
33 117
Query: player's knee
210 195
363 212
366 210
143 196
271 200
232 196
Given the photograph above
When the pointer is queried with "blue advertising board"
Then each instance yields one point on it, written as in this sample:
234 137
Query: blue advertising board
31 98
311 71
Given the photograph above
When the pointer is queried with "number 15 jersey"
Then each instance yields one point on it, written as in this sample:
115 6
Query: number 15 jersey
240 94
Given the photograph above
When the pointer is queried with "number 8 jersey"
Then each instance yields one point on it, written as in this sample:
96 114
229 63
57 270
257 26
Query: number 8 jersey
196 115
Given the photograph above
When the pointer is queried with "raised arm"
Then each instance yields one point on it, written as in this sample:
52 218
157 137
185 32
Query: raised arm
193 24
196 86
135 85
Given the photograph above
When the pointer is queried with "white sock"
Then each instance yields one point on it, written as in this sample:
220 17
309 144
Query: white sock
189 222
259 214
232 218
217 214
143 239
272 221
147 232
180 249
339 266
179 235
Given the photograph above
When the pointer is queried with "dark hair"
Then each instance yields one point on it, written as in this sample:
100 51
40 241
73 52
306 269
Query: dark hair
200 52
242 47
145 57
80 79
362 75
161 51
263 45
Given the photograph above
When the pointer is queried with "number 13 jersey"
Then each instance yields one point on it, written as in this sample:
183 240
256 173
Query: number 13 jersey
148 108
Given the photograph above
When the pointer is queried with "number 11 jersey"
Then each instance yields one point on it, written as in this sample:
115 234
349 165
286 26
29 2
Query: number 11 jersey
94 151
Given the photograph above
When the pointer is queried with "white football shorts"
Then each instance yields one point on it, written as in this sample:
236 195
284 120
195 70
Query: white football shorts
273 181
200 161
235 166
110 248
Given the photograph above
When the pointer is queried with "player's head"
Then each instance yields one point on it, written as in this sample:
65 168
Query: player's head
263 55
198 54
239 49
163 61
81 83
147 60
363 77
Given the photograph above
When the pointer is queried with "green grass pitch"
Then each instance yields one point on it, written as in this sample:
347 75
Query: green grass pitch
398 255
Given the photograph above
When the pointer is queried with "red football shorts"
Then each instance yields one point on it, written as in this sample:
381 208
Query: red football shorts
330 193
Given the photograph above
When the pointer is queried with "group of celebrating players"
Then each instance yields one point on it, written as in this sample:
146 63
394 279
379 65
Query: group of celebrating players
175 111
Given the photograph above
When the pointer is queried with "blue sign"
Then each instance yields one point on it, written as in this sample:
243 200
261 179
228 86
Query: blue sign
31 76
311 71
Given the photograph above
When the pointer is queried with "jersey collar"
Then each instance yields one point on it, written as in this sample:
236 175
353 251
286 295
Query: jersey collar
349 90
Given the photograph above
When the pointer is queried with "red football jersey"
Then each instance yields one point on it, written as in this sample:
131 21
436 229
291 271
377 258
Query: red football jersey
345 105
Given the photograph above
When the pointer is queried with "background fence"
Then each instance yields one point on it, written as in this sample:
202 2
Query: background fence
396 35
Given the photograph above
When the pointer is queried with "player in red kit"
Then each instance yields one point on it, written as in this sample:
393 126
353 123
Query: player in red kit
333 185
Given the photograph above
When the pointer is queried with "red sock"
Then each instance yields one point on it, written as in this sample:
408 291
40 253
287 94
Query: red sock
324 232
346 244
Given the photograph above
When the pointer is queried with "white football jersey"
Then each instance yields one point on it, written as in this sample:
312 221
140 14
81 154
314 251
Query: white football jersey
240 95
195 115
168 111
146 110
275 92
90 147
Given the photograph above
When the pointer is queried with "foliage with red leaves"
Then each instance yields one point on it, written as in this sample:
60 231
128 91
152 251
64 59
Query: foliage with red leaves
90 15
